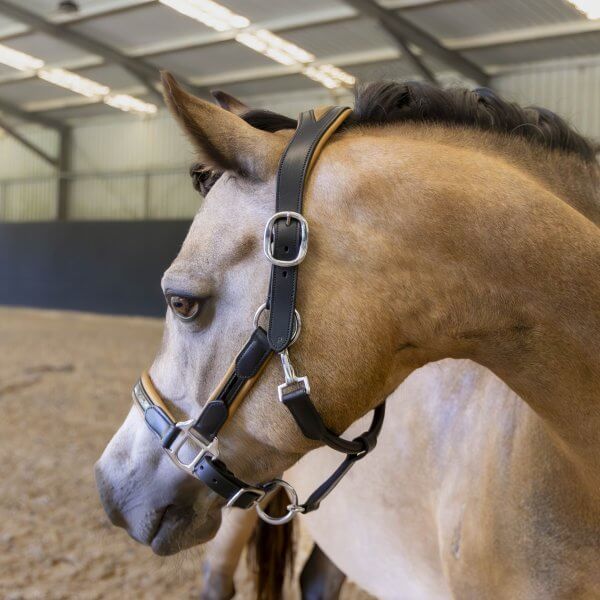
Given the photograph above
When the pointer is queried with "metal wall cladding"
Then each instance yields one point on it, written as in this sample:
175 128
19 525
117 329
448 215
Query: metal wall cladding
28 200
16 161
144 195
571 89
137 168
27 183
130 144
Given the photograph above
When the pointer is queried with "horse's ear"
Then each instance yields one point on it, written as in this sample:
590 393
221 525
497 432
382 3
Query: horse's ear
224 141
229 102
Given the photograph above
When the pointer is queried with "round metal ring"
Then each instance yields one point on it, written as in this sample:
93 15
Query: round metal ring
292 508
297 321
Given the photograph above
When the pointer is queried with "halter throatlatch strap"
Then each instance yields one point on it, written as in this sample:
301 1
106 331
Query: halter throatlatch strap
287 236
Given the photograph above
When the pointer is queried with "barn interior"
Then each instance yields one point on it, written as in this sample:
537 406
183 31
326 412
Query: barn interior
96 199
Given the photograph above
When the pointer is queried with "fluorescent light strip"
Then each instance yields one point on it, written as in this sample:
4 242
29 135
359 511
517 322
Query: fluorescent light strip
75 83
130 104
19 60
265 42
329 76
71 81
274 47
590 8
209 13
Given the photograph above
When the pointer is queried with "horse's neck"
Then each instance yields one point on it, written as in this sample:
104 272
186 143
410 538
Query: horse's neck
566 175
528 289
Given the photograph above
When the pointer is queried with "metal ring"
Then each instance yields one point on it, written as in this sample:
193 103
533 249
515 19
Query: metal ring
297 321
292 508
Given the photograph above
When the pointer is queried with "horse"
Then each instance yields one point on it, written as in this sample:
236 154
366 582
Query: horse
445 224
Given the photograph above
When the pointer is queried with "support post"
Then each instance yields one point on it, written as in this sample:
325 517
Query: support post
62 169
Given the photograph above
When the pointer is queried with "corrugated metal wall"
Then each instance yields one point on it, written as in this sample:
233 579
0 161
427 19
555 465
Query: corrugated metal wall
124 169
569 88
27 183
136 169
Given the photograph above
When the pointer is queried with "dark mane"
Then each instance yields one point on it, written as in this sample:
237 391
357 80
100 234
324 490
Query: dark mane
386 102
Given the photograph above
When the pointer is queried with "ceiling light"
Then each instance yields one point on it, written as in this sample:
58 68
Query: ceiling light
72 81
261 40
19 60
274 47
591 8
130 104
330 76
338 74
209 13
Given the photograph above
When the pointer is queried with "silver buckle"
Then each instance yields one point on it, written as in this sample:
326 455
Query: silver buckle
187 433
260 494
291 379
268 239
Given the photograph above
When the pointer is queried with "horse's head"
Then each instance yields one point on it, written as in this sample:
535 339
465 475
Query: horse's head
349 344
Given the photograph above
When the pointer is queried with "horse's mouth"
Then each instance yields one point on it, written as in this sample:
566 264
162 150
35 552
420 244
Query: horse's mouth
179 528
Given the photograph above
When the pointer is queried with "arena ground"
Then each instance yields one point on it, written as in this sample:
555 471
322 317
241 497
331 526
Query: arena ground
64 389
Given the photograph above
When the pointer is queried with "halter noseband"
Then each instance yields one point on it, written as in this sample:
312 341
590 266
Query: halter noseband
285 245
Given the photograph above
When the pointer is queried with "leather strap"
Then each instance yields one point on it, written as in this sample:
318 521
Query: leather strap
294 168
209 470
368 441
239 379
221 480
308 419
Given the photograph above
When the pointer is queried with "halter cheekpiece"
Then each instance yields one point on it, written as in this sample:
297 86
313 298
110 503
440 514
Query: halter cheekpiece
285 246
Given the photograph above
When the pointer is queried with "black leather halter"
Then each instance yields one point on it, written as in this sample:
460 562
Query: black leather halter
285 245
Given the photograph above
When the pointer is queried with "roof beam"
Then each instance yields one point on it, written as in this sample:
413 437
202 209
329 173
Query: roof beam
14 111
399 27
12 132
416 61
526 34
241 76
142 71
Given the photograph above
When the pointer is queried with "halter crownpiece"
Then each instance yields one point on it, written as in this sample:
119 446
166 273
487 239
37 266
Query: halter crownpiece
285 246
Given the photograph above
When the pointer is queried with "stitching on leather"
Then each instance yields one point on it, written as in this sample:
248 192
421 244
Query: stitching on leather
279 170
322 127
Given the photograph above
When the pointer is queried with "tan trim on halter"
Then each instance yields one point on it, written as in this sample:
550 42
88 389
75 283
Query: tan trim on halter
246 388
319 112
157 399
154 395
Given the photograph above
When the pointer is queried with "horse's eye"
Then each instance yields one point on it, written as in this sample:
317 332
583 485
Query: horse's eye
184 308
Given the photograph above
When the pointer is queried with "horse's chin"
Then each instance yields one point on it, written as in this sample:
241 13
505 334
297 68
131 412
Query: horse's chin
181 528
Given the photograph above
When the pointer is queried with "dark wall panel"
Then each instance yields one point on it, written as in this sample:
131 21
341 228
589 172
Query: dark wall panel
107 267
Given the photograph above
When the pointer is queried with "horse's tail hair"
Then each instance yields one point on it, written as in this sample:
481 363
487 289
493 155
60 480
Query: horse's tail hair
271 551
